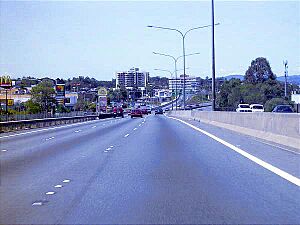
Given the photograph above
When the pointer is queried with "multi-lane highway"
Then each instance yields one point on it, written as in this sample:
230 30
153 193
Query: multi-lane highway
153 170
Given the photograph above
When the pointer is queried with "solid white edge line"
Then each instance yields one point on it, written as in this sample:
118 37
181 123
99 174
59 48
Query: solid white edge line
258 161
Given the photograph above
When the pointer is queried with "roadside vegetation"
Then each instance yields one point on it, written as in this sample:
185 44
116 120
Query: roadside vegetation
259 86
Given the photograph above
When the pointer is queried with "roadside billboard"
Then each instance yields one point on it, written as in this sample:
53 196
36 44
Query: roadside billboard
5 82
60 94
60 90
102 99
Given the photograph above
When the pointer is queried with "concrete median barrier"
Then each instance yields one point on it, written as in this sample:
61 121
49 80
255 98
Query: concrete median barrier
281 128
38 123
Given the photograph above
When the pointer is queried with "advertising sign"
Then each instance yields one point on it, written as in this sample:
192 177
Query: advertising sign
102 101
5 82
60 94
102 91
60 90
10 102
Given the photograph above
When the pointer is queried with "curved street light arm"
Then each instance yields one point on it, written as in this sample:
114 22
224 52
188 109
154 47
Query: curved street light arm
195 28
165 71
196 53
157 53
167 28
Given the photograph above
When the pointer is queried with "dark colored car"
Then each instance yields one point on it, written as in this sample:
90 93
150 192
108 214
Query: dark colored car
148 110
159 111
136 113
283 109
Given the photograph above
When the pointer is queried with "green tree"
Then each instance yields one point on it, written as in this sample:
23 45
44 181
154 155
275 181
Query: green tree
230 94
62 109
81 105
259 71
43 95
33 107
270 104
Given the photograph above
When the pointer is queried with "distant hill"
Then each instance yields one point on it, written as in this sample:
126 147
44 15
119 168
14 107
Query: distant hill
294 79
229 77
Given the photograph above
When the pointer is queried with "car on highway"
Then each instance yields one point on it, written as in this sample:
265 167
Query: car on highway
148 109
136 113
283 109
118 111
257 108
243 108
144 110
159 111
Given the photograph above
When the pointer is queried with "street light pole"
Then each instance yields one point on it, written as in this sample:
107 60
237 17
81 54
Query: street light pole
6 103
175 71
183 48
213 58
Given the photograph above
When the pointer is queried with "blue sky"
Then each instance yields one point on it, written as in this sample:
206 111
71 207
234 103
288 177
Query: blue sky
96 39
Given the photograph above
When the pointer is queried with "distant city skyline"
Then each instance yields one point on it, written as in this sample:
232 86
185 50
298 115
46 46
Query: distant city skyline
97 39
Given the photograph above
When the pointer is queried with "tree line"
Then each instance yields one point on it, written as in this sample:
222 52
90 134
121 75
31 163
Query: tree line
258 87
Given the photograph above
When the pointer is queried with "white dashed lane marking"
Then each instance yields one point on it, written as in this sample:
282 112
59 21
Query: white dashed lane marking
126 135
76 131
58 186
135 129
37 204
3 150
108 149
50 193
94 126
50 138
66 181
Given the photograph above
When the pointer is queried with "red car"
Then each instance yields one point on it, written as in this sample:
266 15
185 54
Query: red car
118 111
136 113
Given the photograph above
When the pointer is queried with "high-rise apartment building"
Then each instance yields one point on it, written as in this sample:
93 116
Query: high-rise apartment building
134 78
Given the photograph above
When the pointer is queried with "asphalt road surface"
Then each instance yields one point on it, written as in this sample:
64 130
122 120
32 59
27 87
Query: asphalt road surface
153 170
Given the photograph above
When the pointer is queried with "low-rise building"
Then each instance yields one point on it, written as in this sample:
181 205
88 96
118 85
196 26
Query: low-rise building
163 94
71 99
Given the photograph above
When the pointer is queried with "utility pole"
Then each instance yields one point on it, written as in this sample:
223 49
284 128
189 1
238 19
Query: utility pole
213 57
285 63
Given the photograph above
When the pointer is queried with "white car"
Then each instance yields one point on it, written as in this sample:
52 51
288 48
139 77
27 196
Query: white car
243 108
257 108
